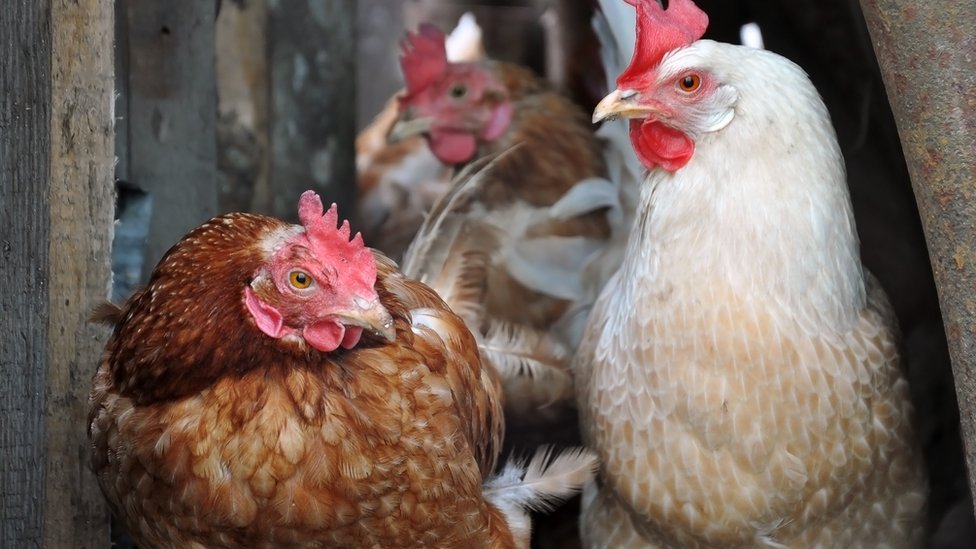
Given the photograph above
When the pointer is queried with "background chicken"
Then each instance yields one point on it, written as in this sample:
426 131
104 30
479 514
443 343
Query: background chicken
278 384
516 227
739 375
398 182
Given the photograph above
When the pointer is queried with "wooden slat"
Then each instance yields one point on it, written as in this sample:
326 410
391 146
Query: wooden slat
313 83
81 205
925 52
55 200
172 113
380 27
25 143
242 105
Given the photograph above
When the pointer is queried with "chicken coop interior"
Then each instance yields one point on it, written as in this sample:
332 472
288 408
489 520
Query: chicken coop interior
126 125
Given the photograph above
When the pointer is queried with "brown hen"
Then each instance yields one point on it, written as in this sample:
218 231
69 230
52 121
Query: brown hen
281 385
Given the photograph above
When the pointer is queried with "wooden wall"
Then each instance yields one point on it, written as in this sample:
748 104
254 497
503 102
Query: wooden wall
56 199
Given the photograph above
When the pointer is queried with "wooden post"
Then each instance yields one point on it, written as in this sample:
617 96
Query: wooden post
25 63
313 104
243 157
925 52
380 27
56 201
172 113
81 196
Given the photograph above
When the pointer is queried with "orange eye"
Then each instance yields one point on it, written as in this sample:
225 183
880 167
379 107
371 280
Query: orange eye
300 279
689 82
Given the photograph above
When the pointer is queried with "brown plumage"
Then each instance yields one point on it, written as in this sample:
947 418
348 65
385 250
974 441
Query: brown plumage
211 424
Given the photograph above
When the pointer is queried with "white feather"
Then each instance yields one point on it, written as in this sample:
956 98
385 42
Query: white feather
587 196
543 482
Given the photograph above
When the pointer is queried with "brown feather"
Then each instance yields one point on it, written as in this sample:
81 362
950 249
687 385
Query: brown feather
106 313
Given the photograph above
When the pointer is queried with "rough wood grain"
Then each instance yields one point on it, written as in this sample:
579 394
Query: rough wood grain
172 113
25 111
81 208
926 55
313 105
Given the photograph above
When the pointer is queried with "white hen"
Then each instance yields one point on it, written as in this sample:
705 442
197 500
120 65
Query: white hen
739 376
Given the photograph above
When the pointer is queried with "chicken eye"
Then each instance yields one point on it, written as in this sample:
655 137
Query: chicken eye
689 82
458 91
299 279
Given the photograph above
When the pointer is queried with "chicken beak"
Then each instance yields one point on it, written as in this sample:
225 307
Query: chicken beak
622 104
409 128
369 315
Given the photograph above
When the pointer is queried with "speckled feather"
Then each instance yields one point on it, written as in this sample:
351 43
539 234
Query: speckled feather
205 432
739 377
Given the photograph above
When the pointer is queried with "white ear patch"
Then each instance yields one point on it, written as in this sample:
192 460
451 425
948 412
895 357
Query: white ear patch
720 120
723 102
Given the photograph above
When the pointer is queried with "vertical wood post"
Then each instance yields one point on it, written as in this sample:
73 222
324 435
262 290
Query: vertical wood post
925 51
25 148
81 195
313 104
56 202
172 151
379 24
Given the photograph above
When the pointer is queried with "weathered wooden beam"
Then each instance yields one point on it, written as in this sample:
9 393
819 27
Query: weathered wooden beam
81 201
56 201
379 26
243 152
25 148
925 50
313 103
172 115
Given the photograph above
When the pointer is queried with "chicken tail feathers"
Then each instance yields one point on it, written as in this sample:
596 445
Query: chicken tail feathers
543 482
533 356
106 313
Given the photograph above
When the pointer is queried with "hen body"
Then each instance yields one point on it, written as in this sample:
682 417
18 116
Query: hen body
739 376
205 432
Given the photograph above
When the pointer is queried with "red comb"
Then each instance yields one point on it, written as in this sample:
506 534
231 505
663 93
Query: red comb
658 32
321 230
423 57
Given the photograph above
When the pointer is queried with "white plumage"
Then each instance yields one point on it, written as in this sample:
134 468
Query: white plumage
739 375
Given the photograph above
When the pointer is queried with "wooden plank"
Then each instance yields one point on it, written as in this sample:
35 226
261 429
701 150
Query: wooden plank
932 103
172 114
25 115
379 28
81 197
313 84
243 151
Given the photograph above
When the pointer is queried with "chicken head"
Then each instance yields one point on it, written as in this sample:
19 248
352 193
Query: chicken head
454 105
674 99
318 285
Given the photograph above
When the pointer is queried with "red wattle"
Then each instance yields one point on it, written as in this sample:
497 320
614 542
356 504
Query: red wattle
351 337
325 336
451 147
660 145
